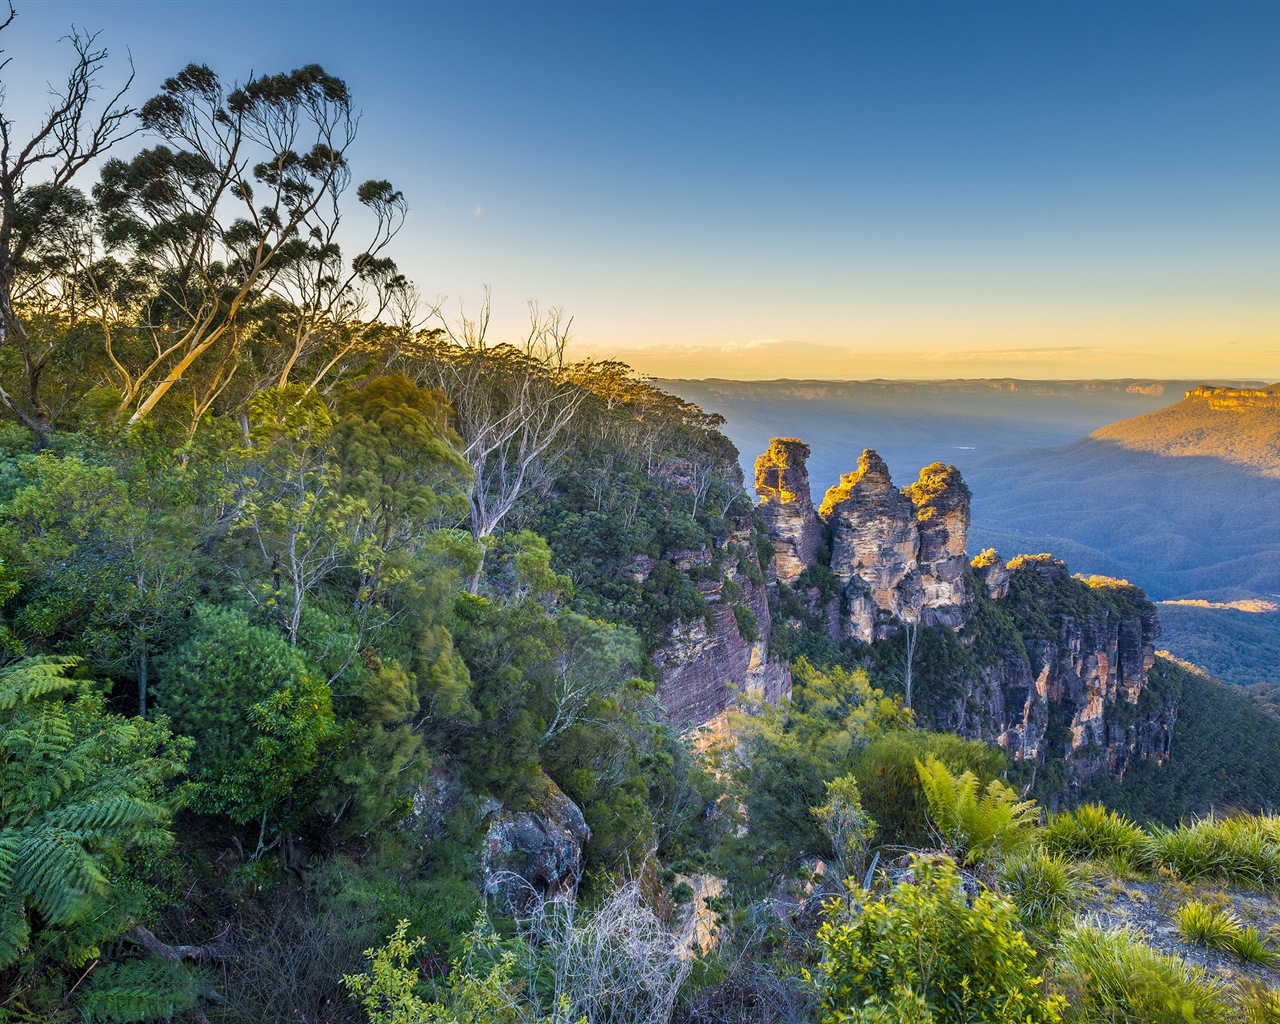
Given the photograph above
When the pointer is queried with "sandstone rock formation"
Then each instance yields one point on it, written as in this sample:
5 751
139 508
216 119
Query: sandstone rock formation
875 545
941 501
1073 690
786 508
1058 666
533 855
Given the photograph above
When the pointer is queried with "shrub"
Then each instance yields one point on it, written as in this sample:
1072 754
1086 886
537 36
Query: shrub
1113 976
258 708
977 825
1237 851
1045 887
925 952
890 785
1093 831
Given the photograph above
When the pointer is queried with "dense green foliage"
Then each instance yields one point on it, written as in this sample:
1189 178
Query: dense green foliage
308 606
929 954
83 806
1238 647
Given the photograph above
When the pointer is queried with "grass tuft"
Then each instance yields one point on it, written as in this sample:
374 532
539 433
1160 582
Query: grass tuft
1238 851
1114 976
1093 831
1045 887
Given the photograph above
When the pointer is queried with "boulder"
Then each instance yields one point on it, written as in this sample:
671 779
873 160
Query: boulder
535 854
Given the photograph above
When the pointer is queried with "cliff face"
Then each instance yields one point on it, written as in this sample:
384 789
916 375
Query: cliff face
1076 693
704 663
1051 667
941 501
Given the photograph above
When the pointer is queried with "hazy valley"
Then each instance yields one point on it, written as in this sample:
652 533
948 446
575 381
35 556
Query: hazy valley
1111 476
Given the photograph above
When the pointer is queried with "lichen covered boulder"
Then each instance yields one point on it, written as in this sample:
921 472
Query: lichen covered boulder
534 854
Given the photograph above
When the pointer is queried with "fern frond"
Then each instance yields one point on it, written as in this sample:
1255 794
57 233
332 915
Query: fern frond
113 814
33 678
15 930
137 990
57 875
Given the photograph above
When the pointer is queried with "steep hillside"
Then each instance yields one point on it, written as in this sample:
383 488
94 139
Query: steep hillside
1234 425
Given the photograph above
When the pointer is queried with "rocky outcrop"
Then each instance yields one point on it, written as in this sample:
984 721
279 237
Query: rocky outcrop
992 572
1090 670
536 854
786 507
941 501
1071 687
1057 666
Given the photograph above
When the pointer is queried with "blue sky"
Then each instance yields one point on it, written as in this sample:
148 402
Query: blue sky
854 190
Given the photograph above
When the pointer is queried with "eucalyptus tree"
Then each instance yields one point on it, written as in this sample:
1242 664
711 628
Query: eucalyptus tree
233 217
513 406
43 218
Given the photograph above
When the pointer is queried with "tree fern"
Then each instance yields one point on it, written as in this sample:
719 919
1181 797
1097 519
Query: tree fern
137 990
976 823
33 678
81 790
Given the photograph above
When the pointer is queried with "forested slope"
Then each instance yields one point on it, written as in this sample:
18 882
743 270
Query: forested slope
340 645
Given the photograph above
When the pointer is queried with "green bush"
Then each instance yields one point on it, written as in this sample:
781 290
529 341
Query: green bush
1093 831
257 708
925 952
1237 851
1113 976
890 785
1045 887
977 824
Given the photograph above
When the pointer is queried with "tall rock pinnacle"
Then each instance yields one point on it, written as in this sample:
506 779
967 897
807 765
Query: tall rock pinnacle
782 482
875 546
942 516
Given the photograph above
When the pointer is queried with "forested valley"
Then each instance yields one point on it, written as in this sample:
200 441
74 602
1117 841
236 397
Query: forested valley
331 630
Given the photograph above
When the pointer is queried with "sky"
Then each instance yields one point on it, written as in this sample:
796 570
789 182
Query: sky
839 191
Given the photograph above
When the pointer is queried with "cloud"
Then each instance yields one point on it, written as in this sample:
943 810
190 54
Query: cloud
478 210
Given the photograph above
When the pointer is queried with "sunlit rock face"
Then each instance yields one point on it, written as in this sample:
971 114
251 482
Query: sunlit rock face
991 570
786 509
875 547
941 500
